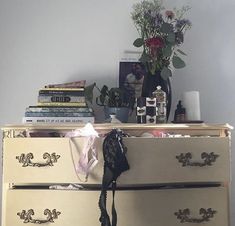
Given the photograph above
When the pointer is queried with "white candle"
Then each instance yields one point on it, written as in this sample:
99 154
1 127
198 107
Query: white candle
191 102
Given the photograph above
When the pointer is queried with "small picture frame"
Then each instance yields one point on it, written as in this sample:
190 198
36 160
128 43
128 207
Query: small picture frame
131 77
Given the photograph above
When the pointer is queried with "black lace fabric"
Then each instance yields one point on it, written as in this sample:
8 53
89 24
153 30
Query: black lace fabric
115 162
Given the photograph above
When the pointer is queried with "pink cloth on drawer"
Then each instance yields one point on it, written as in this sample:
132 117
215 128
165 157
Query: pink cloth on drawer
86 163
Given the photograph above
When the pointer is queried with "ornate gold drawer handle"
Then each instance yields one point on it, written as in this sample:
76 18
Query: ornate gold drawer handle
27 216
185 158
184 215
26 159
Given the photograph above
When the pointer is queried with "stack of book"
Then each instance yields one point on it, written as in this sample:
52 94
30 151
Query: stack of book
60 103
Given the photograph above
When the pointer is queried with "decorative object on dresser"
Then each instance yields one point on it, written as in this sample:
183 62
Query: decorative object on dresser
152 109
60 103
179 175
161 33
115 101
148 111
180 113
191 101
131 76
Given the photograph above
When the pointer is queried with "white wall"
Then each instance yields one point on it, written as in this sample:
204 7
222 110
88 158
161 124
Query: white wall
53 41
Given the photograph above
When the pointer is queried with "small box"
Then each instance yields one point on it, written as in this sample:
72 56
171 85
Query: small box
149 110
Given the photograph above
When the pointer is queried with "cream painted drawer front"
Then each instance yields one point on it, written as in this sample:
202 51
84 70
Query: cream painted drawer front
152 160
134 208
61 170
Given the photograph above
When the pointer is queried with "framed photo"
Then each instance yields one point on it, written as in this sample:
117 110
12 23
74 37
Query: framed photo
131 77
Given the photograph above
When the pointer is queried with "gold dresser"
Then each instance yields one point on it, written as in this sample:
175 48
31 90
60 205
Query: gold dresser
182 178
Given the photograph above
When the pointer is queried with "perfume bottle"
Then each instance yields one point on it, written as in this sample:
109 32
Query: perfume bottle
160 96
180 113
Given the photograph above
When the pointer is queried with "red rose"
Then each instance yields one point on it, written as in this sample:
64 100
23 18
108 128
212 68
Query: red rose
154 42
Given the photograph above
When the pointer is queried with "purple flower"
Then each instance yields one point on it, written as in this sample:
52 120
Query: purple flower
182 23
158 19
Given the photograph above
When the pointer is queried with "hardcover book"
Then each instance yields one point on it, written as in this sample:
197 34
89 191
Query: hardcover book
75 84
74 104
69 92
58 119
58 114
58 109
60 98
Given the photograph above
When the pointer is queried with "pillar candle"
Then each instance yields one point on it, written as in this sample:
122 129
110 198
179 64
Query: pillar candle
191 102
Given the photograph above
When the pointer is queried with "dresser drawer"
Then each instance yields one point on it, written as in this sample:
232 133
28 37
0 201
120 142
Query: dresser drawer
173 160
134 208
25 160
152 160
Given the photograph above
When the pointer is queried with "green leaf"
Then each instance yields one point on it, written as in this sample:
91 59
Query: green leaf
167 51
166 28
171 38
178 62
145 57
166 73
104 90
88 92
181 52
100 100
138 42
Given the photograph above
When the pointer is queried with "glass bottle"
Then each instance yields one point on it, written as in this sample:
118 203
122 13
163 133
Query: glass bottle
160 96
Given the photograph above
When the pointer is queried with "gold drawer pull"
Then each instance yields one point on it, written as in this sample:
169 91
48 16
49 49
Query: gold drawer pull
26 159
185 158
27 216
184 215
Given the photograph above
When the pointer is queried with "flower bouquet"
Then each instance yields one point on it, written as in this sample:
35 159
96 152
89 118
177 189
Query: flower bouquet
161 33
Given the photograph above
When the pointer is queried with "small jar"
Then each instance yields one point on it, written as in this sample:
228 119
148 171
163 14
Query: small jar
160 96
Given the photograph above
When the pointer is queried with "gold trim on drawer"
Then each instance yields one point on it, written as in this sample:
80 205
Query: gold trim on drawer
26 159
27 216
206 215
185 159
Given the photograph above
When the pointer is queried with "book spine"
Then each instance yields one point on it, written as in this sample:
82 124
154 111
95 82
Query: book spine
58 114
58 119
62 89
62 99
75 84
62 92
83 104
58 109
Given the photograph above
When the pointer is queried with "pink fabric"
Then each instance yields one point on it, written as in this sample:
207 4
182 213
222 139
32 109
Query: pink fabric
86 164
